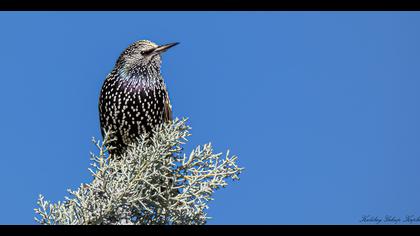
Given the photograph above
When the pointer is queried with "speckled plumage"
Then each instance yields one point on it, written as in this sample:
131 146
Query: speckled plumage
134 98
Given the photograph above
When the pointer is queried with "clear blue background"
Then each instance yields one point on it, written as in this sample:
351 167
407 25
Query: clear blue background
321 107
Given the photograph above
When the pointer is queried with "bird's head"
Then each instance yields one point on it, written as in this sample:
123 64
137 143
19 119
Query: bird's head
143 55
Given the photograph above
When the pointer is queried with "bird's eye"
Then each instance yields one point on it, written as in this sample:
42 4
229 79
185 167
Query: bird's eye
145 52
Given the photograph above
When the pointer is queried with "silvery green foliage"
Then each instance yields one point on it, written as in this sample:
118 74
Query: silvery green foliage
153 183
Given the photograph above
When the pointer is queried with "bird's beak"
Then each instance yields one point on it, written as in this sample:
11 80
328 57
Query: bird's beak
164 47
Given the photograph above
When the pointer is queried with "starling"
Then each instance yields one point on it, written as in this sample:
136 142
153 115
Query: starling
134 99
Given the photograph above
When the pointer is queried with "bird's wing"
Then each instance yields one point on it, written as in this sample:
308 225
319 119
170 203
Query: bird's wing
167 108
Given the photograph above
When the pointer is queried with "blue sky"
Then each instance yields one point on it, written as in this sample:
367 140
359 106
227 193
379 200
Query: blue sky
322 108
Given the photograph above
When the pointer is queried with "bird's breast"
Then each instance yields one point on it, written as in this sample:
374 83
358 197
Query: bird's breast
131 107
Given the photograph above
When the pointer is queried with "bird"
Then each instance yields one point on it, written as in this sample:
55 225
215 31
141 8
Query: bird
133 98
